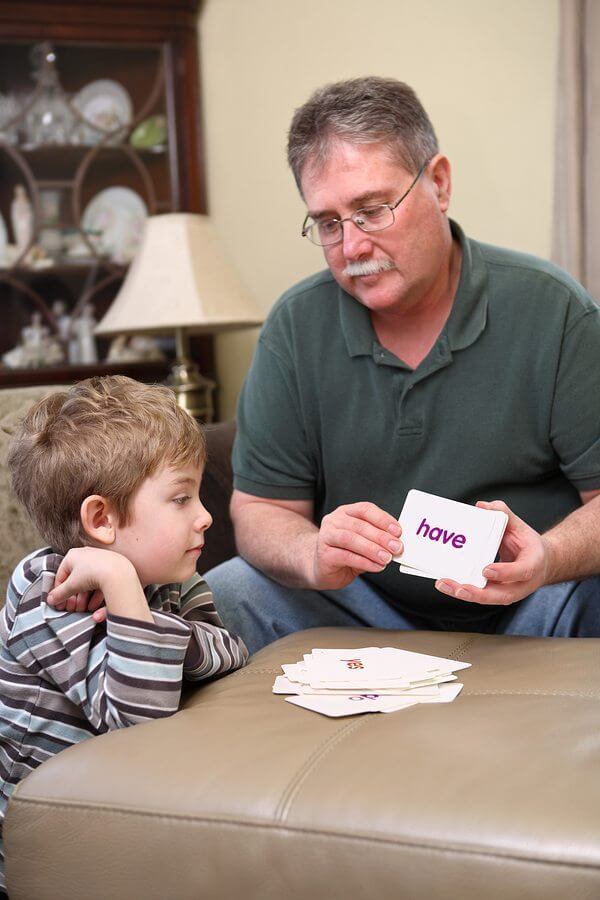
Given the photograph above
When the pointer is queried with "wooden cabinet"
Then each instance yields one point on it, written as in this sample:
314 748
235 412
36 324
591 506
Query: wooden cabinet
100 122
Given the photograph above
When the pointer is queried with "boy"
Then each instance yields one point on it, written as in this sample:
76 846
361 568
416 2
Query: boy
101 626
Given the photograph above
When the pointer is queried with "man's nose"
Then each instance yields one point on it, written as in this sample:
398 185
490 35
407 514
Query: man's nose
355 242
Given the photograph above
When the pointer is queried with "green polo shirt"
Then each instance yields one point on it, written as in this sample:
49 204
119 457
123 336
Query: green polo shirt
506 405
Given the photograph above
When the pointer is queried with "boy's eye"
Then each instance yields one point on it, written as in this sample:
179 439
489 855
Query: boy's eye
181 500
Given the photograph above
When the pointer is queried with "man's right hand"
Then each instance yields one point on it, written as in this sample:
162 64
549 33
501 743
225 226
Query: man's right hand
352 540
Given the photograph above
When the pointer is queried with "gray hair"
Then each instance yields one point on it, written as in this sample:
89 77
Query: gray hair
362 111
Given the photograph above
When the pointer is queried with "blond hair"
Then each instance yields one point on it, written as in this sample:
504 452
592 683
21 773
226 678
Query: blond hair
101 436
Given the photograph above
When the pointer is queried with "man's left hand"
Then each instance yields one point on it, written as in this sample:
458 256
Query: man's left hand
523 566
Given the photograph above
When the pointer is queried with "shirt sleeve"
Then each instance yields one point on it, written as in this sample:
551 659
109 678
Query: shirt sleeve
212 649
118 674
575 425
271 456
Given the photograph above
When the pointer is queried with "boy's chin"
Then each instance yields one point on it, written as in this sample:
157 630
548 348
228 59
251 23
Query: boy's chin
175 575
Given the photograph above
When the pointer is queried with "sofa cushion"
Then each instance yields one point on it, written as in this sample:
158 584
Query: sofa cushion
493 796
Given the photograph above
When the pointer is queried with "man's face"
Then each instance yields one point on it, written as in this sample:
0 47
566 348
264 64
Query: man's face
414 247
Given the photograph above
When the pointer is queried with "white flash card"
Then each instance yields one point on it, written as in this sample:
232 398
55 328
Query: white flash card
446 539
349 706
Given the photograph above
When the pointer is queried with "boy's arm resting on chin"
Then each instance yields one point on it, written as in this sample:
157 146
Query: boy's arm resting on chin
121 673
212 650
86 570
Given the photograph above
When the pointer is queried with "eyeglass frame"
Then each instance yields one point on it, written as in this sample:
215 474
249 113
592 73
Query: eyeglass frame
391 206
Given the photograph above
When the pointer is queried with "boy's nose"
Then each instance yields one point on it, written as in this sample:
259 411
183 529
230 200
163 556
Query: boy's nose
203 520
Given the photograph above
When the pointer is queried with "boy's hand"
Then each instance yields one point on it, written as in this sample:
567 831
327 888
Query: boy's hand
86 601
110 577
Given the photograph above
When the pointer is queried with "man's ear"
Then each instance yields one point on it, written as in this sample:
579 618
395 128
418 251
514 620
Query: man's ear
439 170
99 519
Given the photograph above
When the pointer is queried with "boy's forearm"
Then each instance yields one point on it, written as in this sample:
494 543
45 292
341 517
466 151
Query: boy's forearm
212 649
124 596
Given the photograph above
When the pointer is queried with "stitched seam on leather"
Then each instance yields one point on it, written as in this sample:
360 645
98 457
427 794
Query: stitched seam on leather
462 647
244 672
311 832
587 694
288 795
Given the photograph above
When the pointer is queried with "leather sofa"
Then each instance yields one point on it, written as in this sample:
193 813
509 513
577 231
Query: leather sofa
495 796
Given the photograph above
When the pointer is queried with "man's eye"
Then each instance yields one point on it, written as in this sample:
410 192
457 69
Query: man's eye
372 213
328 226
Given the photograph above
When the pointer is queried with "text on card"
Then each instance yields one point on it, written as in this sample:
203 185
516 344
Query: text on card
434 533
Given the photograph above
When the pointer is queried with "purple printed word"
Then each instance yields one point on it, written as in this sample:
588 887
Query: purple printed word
436 534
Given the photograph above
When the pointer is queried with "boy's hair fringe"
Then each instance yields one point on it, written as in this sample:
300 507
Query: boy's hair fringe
101 436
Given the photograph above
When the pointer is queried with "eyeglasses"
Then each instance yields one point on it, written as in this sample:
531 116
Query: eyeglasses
325 232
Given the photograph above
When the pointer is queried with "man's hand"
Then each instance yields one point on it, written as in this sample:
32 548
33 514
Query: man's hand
89 577
354 539
523 567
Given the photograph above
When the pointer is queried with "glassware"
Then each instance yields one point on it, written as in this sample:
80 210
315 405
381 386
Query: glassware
49 119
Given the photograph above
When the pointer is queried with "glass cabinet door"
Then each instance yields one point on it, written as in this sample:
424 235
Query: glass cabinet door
88 150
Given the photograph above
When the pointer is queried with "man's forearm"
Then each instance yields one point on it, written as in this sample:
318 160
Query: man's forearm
573 546
279 542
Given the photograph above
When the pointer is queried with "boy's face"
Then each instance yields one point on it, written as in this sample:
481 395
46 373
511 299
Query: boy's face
165 534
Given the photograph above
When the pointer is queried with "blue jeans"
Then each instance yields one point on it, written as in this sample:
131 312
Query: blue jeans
260 610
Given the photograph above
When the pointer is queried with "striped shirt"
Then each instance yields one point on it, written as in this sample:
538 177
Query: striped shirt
65 678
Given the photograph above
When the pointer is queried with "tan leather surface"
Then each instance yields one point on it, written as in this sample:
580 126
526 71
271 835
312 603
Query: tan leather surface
494 796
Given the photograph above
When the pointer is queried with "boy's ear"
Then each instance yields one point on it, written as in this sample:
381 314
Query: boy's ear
99 519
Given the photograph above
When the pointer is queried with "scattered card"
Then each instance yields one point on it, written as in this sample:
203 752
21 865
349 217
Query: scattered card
446 539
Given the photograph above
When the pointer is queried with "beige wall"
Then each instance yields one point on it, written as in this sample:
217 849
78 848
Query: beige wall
484 70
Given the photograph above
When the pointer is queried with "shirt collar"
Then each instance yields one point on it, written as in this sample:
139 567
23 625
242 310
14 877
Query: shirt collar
467 318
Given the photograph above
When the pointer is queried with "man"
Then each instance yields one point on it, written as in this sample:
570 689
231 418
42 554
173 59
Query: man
419 359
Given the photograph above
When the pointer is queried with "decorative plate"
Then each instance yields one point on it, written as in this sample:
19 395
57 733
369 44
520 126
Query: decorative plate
151 134
107 109
114 221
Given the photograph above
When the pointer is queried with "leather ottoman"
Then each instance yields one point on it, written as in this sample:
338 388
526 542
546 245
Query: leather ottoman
495 796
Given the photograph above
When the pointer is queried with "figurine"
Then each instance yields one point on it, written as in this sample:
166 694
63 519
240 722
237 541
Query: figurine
21 215
63 320
135 349
3 242
37 348
83 327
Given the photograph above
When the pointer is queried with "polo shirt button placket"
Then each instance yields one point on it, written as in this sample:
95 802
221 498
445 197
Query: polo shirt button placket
408 424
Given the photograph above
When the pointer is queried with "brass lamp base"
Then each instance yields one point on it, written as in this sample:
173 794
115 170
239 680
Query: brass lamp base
193 390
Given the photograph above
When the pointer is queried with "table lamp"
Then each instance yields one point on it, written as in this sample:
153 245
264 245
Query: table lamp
180 281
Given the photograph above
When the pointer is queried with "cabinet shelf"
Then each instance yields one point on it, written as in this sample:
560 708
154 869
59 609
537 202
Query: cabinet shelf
79 150
64 374
80 267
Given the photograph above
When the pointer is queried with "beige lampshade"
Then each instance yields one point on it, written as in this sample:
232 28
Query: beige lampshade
179 278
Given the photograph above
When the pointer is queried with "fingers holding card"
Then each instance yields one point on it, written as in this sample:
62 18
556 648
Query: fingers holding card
445 539
354 539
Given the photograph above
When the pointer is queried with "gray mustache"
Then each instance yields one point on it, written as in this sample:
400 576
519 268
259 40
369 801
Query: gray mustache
369 267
